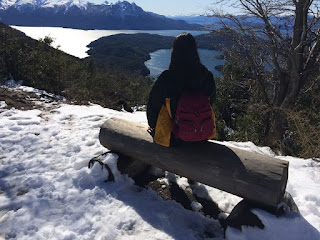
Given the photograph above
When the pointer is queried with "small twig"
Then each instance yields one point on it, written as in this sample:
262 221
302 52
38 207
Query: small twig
97 159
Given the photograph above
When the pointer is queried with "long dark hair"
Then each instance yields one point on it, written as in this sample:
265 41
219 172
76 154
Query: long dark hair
185 62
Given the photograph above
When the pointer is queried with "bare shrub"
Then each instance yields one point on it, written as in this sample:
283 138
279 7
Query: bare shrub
305 133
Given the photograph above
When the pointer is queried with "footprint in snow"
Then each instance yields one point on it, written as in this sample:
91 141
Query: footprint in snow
26 123
15 129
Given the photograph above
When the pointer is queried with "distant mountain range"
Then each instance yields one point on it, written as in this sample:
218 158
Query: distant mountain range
201 19
85 15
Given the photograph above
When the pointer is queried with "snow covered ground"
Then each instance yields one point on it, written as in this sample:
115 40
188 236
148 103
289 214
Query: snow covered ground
48 192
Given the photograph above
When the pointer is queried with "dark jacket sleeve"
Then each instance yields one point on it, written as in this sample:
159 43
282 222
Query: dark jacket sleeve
156 99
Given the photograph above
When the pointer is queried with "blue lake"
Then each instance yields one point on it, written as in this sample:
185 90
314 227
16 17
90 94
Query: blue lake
75 41
160 61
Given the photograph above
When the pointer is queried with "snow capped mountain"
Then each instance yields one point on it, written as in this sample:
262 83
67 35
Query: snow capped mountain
126 9
121 8
28 5
4 4
66 3
85 15
35 4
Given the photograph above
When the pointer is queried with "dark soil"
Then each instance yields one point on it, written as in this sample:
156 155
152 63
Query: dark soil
22 100
143 178
18 99
185 197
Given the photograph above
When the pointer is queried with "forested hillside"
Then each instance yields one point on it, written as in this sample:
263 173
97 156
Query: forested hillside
41 66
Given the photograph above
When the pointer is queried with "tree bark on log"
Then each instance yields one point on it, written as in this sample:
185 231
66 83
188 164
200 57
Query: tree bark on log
252 176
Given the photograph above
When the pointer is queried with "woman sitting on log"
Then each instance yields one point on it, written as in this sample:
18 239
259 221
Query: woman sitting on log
179 106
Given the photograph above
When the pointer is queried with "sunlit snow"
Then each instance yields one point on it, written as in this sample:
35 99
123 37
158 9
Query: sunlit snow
48 192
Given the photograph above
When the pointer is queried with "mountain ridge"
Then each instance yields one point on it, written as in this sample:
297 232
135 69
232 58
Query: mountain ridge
85 15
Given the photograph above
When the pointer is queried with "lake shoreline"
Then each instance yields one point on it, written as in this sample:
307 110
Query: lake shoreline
160 60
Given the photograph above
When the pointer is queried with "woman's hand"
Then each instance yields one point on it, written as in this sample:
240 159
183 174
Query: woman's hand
151 131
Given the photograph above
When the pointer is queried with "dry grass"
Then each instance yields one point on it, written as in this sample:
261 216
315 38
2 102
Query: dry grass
306 129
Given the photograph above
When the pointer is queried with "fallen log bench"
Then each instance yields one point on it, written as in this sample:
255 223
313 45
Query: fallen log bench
252 176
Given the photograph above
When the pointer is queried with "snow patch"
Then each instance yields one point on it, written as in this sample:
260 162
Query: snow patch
47 191
196 206
3 104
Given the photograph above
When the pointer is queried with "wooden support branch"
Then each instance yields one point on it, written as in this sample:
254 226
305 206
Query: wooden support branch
253 176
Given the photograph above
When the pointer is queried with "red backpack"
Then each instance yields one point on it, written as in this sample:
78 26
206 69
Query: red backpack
194 120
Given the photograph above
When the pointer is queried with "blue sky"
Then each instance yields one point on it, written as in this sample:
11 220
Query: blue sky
171 7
